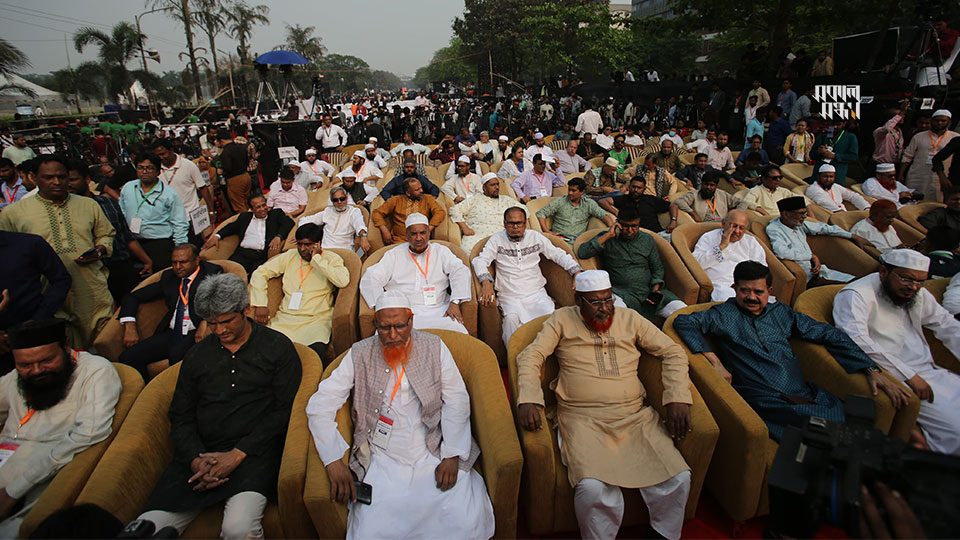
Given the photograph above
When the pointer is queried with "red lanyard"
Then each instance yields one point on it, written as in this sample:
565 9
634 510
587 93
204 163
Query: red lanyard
935 146
422 270
11 198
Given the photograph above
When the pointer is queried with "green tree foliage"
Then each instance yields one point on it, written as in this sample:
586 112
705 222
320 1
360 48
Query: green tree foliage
450 63
115 51
82 83
241 18
300 39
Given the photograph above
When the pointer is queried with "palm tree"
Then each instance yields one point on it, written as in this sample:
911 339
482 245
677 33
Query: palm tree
241 18
80 83
210 17
300 39
12 60
116 50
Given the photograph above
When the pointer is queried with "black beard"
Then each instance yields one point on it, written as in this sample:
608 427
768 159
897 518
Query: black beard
899 302
44 395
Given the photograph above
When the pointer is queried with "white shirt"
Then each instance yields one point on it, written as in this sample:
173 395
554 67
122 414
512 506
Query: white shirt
366 171
339 228
462 186
873 188
288 201
533 150
891 336
604 141
255 236
951 298
397 271
377 162
832 200
185 178
589 121
518 263
884 241
318 167
633 140
676 139
719 264
331 137
416 147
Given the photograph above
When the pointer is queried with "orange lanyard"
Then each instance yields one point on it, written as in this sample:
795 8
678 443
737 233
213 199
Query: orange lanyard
935 146
540 180
422 270
830 191
396 386
185 296
30 412
303 276
712 205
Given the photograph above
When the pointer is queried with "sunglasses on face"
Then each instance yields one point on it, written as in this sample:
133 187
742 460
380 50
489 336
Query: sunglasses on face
339 199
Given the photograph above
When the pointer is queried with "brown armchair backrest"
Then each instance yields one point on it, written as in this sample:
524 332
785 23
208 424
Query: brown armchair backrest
225 247
911 213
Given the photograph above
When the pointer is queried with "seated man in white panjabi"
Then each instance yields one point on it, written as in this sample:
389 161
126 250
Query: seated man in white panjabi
412 439
423 272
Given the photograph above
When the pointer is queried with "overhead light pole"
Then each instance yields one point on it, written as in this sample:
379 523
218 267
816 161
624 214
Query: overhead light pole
143 56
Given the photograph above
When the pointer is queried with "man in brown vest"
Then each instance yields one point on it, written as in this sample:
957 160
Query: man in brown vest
411 439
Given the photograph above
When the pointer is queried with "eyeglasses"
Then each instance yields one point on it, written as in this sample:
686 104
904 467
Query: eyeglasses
908 280
146 168
772 177
601 302
387 327
338 199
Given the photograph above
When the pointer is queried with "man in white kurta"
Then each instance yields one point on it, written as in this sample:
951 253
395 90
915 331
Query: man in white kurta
463 183
309 275
720 251
951 297
44 435
317 167
538 147
918 156
877 228
365 172
342 223
885 186
788 239
421 472
885 314
482 215
520 285
831 196
423 271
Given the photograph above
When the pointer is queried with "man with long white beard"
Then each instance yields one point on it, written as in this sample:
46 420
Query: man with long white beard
885 314
55 404
411 441
611 438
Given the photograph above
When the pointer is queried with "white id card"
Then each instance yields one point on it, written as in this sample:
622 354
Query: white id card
544 193
7 448
186 325
429 296
381 434
135 224
930 159
295 300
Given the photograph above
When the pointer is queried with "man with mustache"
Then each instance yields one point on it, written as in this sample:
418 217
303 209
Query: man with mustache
708 204
611 437
885 314
753 353
391 216
412 440
57 403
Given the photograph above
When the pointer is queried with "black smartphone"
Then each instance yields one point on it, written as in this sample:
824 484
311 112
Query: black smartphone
364 492
89 254
655 297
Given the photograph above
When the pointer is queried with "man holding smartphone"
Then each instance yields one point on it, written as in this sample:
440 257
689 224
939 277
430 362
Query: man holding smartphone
634 265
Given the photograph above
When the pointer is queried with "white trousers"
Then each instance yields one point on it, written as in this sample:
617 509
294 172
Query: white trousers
940 420
434 317
518 311
599 507
242 517
671 306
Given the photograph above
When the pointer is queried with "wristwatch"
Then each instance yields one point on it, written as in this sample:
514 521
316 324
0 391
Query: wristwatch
456 302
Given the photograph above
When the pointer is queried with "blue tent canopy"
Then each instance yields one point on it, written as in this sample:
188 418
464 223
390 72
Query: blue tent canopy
281 58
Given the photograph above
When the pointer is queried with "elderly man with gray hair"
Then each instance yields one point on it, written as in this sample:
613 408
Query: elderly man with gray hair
228 417
343 223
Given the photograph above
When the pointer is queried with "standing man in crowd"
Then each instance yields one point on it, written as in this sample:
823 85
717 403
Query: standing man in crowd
81 235
184 177
155 214
10 183
331 137
234 162
917 163
19 152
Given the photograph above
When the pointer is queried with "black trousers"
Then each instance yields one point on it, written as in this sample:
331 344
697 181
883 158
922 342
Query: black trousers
321 349
249 259
164 345
124 276
160 251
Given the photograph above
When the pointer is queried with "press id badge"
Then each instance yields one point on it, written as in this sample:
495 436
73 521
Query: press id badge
930 158
7 449
429 296
543 193
381 434
295 300
135 225
186 325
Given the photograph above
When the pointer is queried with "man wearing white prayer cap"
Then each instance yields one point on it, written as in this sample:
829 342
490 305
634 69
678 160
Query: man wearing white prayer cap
482 215
918 156
610 445
829 195
885 313
363 169
433 278
501 150
372 156
317 167
884 185
538 147
463 183
412 440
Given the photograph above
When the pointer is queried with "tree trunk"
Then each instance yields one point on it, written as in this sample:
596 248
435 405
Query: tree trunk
779 39
213 52
188 30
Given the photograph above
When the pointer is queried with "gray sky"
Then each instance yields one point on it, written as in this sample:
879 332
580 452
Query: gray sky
392 35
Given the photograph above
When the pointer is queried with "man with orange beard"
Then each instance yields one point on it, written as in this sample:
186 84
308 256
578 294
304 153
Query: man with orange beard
611 438
411 441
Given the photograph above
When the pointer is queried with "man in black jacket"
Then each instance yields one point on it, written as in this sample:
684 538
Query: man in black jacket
262 233
177 331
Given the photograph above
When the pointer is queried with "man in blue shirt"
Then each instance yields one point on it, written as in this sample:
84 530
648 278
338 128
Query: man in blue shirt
10 183
154 212
776 134
754 353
